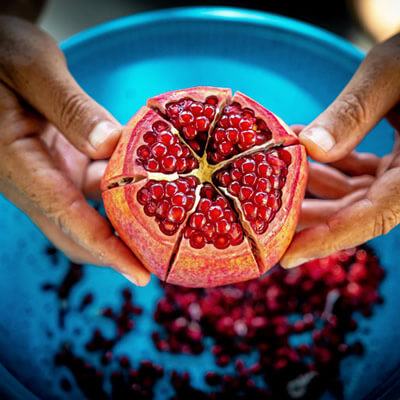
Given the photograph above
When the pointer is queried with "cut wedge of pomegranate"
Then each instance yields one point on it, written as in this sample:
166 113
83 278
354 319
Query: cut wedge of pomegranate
204 188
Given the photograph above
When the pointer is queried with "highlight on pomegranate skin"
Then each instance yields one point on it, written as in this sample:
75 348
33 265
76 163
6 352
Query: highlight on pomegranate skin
205 188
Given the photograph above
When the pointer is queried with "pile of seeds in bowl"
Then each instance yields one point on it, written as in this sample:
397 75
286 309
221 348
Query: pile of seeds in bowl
281 336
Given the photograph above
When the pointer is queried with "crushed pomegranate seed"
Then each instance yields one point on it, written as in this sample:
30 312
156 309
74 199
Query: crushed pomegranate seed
237 130
214 222
257 181
280 336
164 152
168 201
193 119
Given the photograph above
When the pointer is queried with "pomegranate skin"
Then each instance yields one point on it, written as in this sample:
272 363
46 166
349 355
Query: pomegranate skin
206 269
153 249
173 257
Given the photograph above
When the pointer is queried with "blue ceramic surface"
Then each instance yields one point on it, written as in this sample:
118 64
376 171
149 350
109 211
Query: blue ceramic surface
292 68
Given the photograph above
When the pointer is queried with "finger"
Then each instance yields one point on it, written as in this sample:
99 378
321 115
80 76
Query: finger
372 92
317 211
54 194
297 128
356 163
91 184
372 216
33 66
327 182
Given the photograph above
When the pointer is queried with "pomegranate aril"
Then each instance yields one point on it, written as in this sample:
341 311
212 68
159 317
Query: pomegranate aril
204 205
176 214
190 201
181 165
149 137
189 132
143 196
183 185
201 123
225 148
259 226
143 152
197 240
234 120
261 198
162 209
221 242
186 118
222 226
246 193
249 165
234 188
196 108
212 100
224 178
150 208
157 191
249 179
197 220
250 211
176 150
168 227
179 199
160 126
264 213
215 212
167 138
170 189
152 165
247 139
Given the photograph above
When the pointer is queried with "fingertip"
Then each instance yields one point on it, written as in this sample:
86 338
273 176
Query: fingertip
289 263
138 280
103 138
318 141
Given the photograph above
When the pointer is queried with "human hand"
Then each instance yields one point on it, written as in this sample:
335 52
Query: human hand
366 205
50 133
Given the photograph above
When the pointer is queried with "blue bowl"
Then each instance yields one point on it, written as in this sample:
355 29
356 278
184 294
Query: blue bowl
292 68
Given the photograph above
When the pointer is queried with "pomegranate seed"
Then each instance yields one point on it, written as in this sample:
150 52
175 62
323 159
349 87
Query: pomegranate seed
215 213
259 158
202 123
234 120
196 108
236 234
150 209
152 165
197 240
168 163
247 139
189 132
176 150
263 185
170 189
250 211
245 124
232 135
236 175
197 220
179 199
183 185
190 202
192 164
224 178
249 179
259 226
234 188
261 198
221 242
246 193
157 191
167 138
143 151
274 202
176 214
248 165
143 196
172 109
162 209
225 148
204 205
181 165
213 100
264 170
265 213
192 181
224 121
209 232
160 126
222 226
229 215
186 118
222 202
168 227
209 111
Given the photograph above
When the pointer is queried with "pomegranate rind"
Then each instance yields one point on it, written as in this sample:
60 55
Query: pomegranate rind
123 160
210 267
281 133
139 231
197 94
273 243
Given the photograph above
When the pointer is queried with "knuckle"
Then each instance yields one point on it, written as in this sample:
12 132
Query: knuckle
72 108
385 221
351 110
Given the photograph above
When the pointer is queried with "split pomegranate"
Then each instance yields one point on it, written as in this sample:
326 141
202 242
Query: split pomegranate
205 188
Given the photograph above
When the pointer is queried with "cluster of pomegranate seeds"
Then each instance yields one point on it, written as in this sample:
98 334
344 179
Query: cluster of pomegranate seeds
292 325
193 119
168 201
257 181
164 152
236 131
296 321
213 222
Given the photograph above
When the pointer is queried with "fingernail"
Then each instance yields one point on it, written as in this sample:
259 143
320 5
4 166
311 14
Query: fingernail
131 279
294 263
101 132
320 136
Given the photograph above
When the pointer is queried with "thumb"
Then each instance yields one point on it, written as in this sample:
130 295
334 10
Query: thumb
34 67
373 91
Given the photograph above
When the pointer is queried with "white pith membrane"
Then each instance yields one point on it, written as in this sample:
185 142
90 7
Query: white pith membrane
206 174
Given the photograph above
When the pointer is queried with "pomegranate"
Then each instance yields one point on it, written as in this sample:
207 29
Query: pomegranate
205 188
